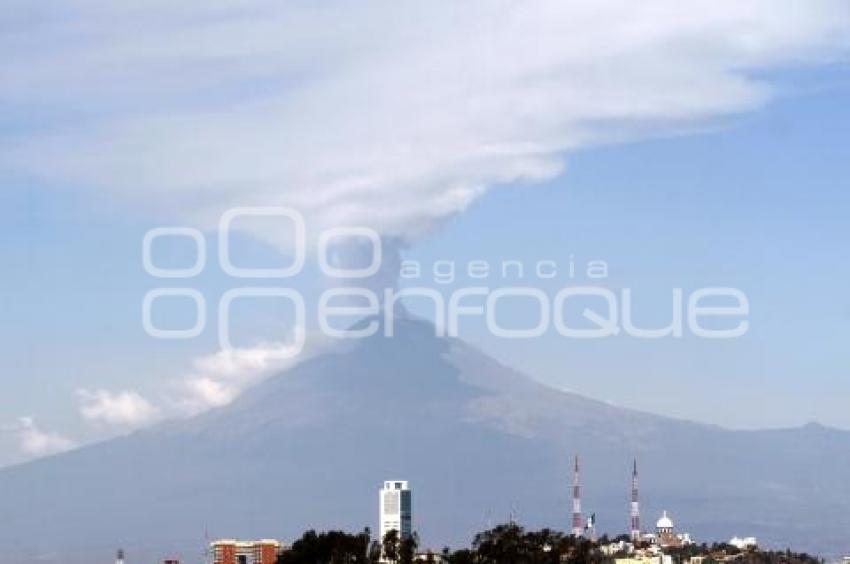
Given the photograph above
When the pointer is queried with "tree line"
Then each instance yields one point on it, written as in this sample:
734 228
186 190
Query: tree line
507 543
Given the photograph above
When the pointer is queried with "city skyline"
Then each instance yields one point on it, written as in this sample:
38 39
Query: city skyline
395 516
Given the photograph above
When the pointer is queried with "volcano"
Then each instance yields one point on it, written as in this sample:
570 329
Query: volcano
478 441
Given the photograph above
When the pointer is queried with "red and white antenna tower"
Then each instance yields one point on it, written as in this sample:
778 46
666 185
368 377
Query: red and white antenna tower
634 526
578 521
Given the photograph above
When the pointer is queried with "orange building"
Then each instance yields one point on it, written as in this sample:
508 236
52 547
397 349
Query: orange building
230 551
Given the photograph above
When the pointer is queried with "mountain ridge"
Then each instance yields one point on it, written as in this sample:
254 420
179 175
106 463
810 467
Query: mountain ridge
308 448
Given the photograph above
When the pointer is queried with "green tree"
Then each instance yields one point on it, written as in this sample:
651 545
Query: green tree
407 549
464 556
391 543
331 547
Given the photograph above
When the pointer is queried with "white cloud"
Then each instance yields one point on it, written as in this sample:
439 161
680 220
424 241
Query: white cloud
219 378
126 408
34 441
203 392
214 380
390 115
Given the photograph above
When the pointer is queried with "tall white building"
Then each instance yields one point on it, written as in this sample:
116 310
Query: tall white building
396 508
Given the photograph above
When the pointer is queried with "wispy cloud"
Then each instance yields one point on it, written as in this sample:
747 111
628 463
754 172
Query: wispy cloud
126 408
35 441
383 114
214 381
391 115
219 378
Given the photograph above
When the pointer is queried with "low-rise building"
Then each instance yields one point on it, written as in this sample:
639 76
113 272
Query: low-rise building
619 547
636 559
744 543
430 557
230 551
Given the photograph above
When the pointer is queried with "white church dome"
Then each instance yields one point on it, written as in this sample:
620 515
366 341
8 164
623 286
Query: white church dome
664 523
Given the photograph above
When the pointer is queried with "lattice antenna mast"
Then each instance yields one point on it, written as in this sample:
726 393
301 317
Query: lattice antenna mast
578 520
634 514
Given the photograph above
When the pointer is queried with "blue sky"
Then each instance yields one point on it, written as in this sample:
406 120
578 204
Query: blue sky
759 204
720 178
